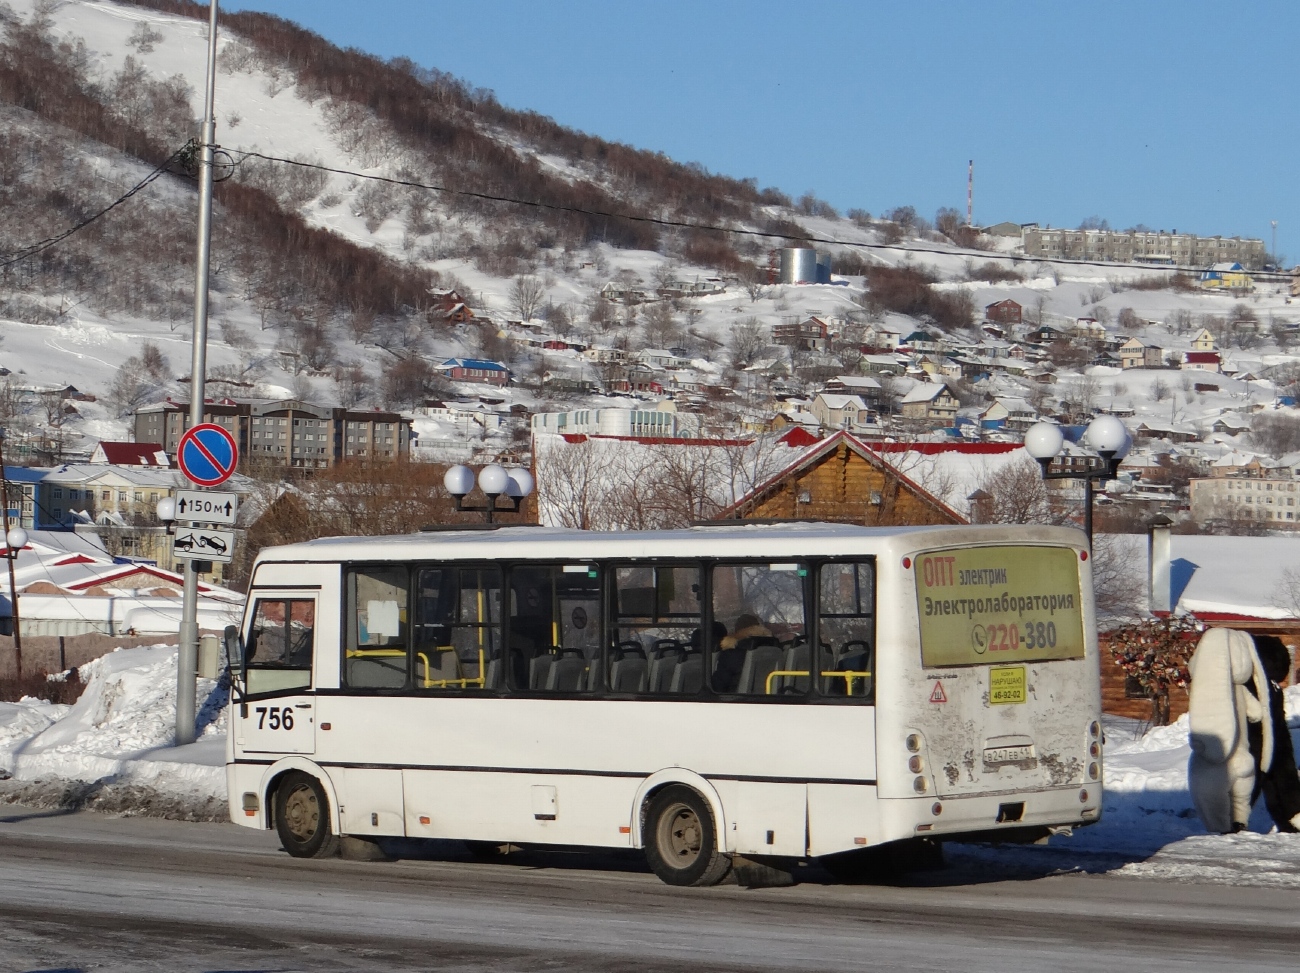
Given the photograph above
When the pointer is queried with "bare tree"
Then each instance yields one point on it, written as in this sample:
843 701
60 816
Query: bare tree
1160 390
352 385
406 383
526 295
757 290
661 327
1019 495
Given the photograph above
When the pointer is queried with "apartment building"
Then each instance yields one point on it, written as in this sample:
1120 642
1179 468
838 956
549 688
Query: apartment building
287 433
1273 503
1133 246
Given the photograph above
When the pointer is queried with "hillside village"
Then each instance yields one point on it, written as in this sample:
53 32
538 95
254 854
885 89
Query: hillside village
726 373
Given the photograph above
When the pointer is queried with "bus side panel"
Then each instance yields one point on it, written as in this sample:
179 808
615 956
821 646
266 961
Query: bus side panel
842 817
370 800
766 818
538 808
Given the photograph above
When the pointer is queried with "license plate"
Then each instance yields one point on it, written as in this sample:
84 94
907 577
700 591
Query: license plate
1008 755
1007 685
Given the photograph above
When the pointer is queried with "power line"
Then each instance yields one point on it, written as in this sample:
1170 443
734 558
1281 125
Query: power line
32 249
682 224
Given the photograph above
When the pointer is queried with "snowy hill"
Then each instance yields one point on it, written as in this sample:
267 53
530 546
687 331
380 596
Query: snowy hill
324 280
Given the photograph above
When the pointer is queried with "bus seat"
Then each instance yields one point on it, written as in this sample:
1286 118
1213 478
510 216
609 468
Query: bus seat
762 656
377 673
539 669
595 674
493 680
628 674
664 657
626 647
688 674
798 658
565 672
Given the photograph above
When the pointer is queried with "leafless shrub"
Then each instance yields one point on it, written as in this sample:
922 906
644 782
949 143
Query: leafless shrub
144 37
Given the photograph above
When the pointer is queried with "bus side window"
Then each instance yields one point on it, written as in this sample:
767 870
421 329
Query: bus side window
657 644
555 626
377 623
457 629
847 625
280 645
765 652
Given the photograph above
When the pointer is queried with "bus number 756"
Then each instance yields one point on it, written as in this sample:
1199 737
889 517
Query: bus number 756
275 718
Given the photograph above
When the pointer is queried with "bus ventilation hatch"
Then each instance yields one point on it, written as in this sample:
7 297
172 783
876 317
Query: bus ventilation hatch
1011 812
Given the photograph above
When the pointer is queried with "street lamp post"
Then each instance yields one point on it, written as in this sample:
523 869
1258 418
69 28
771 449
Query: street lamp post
15 541
1105 435
494 481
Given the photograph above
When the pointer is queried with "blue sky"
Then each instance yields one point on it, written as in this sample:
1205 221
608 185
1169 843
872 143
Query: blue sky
1178 115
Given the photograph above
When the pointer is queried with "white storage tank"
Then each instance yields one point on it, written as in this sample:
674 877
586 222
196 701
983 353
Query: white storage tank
798 265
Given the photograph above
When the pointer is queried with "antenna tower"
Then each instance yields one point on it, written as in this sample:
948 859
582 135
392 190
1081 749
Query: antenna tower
970 193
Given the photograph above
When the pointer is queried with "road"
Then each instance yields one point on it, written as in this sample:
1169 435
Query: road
81 891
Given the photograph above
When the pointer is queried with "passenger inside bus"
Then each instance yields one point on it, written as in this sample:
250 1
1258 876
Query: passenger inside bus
750 636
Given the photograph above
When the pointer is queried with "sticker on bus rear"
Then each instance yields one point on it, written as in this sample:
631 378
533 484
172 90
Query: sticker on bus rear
991 605
1007 684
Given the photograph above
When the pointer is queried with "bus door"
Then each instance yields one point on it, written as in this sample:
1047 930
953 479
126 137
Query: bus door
1003 698
274 709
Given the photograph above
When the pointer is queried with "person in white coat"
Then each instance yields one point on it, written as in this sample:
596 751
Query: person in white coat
1221 772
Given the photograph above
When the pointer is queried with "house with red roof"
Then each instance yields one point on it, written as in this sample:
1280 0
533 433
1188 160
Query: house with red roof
149 455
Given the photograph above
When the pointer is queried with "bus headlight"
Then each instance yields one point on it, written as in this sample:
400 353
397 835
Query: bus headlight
920 785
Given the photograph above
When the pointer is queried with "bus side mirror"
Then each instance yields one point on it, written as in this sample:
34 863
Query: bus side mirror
234 648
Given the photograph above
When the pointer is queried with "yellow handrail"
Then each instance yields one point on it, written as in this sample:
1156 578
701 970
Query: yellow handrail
849 676
464 683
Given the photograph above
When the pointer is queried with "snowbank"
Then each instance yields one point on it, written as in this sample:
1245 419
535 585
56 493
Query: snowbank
119 738
114 749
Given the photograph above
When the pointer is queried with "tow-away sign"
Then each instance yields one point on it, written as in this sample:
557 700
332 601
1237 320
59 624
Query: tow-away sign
206 507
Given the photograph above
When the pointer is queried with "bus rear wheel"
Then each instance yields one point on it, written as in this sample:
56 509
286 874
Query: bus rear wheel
681 840
302 817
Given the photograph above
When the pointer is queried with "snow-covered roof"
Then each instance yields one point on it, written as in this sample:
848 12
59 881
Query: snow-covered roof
833 401
131 454
924 392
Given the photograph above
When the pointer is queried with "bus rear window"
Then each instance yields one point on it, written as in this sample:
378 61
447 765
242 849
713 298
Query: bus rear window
990 605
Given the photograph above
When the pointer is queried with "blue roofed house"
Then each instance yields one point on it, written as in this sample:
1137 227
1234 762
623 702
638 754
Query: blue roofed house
478 370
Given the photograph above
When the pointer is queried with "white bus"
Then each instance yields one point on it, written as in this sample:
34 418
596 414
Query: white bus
795 690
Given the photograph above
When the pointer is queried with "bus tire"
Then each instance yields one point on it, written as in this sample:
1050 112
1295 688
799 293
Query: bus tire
302 817
681 839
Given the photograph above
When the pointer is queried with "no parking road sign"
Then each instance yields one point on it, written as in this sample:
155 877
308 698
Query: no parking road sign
207 454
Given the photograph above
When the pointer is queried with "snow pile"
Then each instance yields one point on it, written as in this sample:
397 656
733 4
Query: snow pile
114 749
120 739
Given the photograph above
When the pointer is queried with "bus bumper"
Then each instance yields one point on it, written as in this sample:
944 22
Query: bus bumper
983 817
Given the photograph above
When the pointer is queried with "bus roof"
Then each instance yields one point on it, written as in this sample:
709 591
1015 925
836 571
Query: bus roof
790 540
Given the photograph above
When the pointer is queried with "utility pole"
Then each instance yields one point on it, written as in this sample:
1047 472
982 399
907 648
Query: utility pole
188 658
1273 253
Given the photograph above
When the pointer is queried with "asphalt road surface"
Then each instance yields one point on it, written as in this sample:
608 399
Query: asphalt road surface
81 891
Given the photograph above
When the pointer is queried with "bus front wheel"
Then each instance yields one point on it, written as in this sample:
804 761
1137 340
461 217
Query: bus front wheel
681 841
302 817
